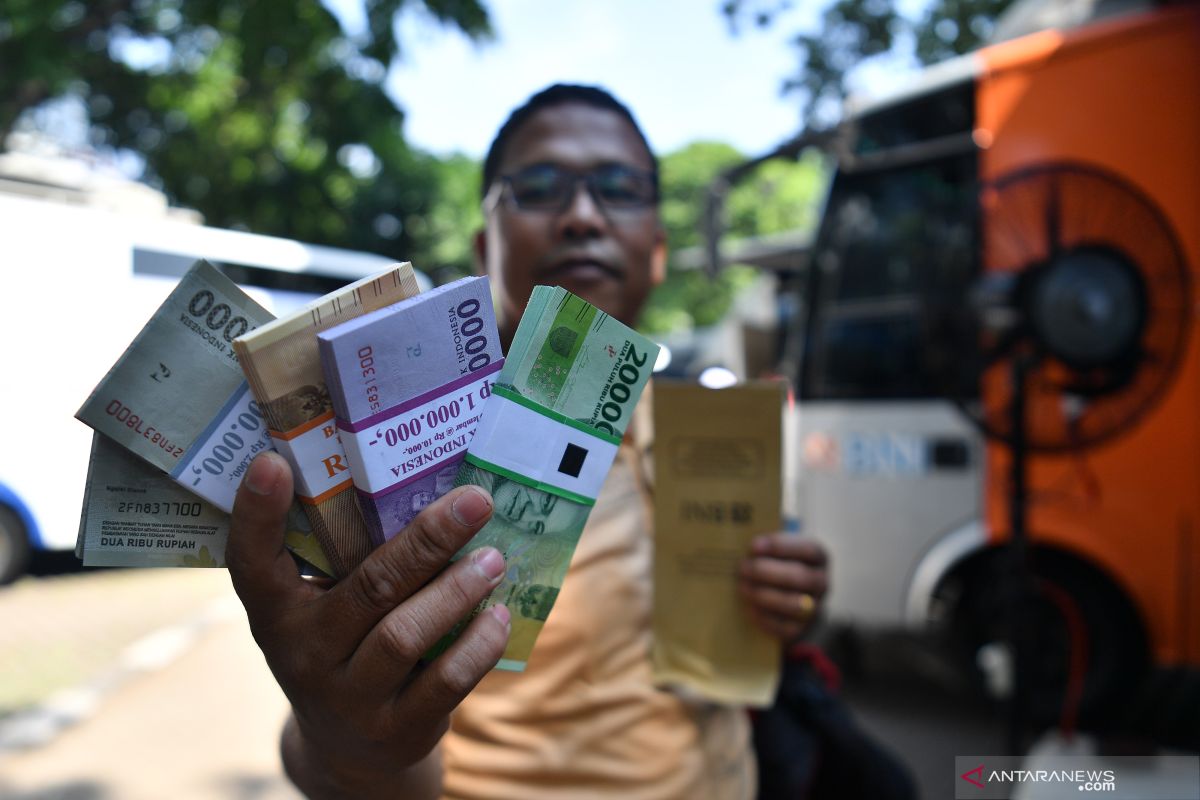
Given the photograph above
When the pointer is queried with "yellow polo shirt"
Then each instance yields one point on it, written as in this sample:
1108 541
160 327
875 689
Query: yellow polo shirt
585 720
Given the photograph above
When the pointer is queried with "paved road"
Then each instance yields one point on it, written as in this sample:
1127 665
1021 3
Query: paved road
146 684
173 698
907 696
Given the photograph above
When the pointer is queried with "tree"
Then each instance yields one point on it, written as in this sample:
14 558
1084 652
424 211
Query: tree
263 116
779 196
450 222
853 31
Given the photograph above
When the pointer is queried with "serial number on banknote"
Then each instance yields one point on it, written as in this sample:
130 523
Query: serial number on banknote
155 508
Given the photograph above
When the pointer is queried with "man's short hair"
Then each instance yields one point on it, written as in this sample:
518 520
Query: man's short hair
557 95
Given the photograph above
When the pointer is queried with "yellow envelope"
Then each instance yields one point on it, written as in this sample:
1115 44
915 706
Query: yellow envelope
718 484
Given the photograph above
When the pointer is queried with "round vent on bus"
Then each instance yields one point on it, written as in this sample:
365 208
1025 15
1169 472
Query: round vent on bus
1083 277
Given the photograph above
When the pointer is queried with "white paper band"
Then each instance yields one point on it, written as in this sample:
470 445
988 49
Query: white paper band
400 445
541 449
317 458
213 466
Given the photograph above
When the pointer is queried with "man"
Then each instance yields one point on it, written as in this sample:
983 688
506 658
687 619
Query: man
570 196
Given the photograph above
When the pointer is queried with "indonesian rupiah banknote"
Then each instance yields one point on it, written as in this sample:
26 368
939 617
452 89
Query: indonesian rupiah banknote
177 397
135 516
408 384
545 443
283 367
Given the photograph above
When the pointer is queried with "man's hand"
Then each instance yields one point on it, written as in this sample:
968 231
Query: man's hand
347 656
784 579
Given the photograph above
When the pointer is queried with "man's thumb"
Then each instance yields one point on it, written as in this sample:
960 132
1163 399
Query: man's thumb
262 570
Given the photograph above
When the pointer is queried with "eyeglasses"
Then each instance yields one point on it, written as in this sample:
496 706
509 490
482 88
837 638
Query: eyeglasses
549 187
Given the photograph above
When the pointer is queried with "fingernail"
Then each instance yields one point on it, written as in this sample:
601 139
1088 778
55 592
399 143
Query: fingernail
489 561
502 615
263 475
761 544
471 506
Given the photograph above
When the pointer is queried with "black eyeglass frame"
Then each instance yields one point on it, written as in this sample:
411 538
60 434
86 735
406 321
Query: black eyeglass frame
505 183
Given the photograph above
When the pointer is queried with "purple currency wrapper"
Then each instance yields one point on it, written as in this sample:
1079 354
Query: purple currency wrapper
407 384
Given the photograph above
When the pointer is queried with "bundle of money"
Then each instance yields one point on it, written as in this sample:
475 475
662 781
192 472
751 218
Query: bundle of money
282 364
545 443
408 384
135 516
177 398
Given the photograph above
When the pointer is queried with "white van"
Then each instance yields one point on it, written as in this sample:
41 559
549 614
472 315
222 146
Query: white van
79 283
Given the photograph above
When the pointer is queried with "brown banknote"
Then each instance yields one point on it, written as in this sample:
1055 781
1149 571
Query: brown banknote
283 368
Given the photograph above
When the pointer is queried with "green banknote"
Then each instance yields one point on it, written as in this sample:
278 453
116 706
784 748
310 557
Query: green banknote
559 408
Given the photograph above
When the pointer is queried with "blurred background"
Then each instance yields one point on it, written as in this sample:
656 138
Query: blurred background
963 229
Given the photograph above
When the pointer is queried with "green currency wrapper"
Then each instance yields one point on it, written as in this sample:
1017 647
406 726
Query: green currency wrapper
576 366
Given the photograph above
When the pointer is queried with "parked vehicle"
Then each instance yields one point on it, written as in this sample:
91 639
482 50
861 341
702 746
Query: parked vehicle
1035 203
81 280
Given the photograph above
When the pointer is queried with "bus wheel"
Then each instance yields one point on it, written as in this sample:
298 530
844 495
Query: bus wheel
1087 649
14 546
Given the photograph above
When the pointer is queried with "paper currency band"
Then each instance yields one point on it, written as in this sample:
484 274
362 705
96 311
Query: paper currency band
539 447
318 461
213 465
416 438
424 399
302 428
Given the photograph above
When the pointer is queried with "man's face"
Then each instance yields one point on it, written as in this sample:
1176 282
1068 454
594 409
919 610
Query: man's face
610 257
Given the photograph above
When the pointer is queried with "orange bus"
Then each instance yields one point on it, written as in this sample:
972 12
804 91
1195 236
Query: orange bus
1064 168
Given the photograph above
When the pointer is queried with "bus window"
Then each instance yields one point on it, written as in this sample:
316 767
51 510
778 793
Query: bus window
893 261
941 113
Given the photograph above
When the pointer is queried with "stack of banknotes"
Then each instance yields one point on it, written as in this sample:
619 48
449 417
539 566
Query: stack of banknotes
408 385
381 399
280 360
177 401
548 435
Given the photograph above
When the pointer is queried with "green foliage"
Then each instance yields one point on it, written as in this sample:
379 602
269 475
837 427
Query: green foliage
953 27
852 31
263 116
782 196
685 177
779 196
269 117
449 224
